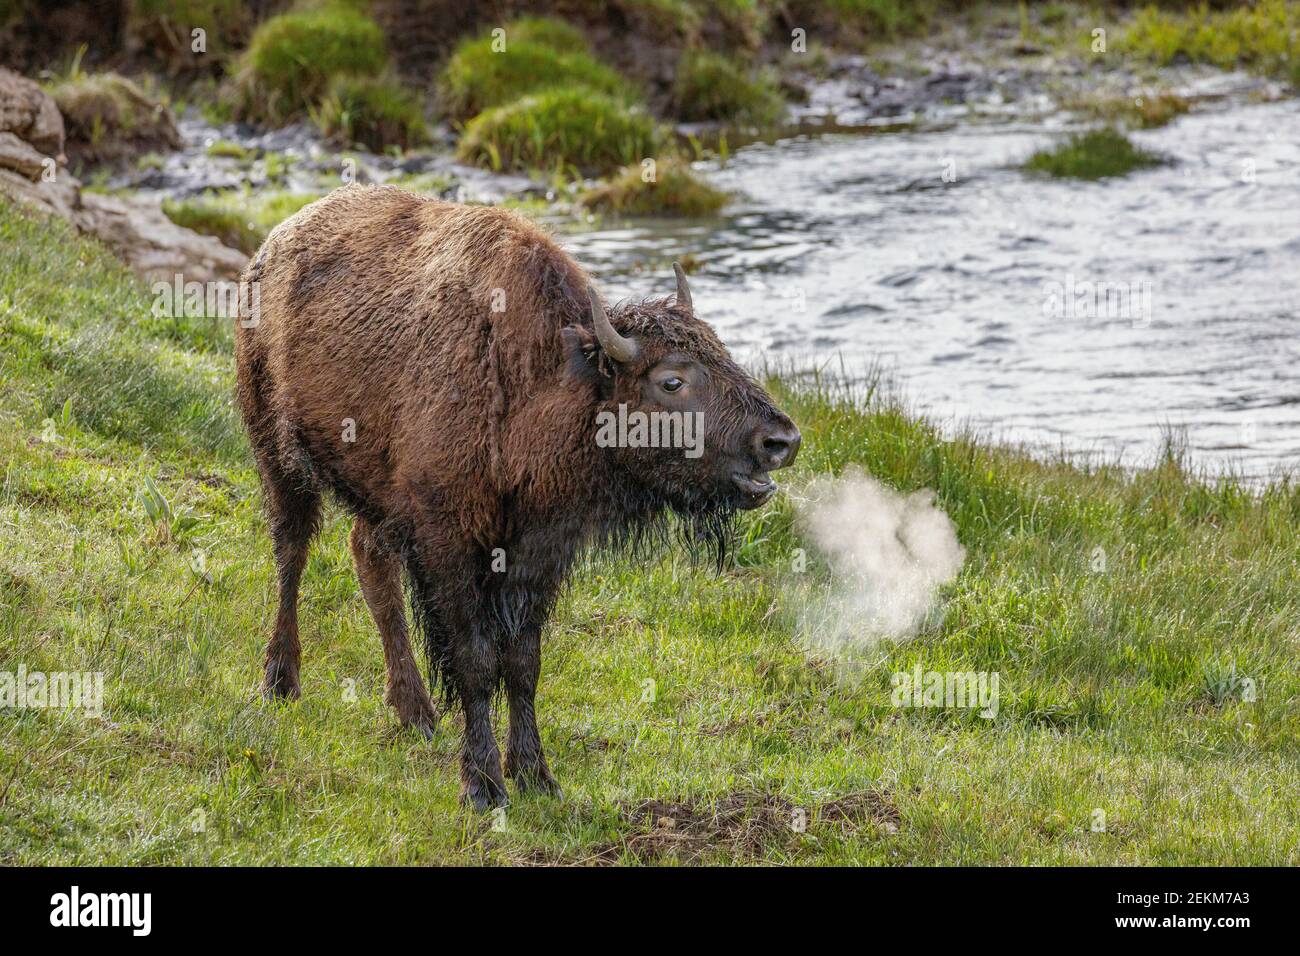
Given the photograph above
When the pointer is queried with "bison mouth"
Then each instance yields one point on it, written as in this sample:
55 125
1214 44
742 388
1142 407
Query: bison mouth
754 489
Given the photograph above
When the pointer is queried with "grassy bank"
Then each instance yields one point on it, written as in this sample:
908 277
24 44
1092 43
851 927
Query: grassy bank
1122 688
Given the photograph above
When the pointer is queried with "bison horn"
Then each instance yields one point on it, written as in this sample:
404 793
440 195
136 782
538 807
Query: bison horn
620 348
683 290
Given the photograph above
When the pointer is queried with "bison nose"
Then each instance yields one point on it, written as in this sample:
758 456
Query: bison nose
776 444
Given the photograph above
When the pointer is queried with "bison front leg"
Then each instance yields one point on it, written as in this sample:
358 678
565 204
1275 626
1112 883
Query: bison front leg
525 762
475 672
380 573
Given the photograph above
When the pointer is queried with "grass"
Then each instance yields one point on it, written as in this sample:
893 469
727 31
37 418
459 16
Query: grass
538 54
108 118
1262 36
674 190
712 86
1146 110
375 112
241 220
1095 154
292 58
560 128
1123 689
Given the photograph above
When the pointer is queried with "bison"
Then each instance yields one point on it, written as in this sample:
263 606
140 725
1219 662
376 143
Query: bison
441 369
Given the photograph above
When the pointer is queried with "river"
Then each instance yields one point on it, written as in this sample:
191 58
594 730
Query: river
930 255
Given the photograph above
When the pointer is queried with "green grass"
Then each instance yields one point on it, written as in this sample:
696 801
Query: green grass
375 112
712 86
108 117
1121 689
539 54
1262 36
560 128
292 58
1095 154
1146 110
241 219
675 190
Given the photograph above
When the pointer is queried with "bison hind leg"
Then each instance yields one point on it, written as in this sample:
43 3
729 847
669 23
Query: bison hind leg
293 509
380 573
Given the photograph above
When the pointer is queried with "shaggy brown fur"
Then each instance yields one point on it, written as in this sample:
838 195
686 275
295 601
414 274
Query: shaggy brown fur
454 345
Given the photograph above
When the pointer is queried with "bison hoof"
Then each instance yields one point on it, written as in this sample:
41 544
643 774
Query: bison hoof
280 683
483 794
424 725
543 785
534 779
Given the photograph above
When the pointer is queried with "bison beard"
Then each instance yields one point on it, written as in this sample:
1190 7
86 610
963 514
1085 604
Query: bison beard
471 359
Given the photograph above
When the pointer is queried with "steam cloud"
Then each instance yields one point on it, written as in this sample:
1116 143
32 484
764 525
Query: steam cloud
890 553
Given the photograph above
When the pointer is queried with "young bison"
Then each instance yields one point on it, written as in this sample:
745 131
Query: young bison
440 368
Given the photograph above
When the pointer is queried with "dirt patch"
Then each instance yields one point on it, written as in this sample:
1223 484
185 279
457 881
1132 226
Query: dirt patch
737 827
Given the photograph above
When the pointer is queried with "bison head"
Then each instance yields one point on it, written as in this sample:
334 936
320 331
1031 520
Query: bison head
681 419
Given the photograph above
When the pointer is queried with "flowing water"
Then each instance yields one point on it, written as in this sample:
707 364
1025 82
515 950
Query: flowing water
856 249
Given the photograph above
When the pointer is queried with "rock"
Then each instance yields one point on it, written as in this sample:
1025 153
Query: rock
60 197
21 157
31 134
29 113
153 245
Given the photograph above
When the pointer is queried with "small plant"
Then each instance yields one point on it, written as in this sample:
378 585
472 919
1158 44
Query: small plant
1223 684
1092 155
170 524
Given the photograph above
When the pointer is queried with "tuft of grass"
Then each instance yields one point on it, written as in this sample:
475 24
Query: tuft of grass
674 190
241 220
539 54
1157 685
108 118
1262 36
713 86
1095 154
293 57
568 127
375 112
1145 110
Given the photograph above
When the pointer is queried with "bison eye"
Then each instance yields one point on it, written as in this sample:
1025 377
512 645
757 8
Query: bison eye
671 384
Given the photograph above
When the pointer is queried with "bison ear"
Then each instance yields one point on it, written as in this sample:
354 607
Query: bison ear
581 353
